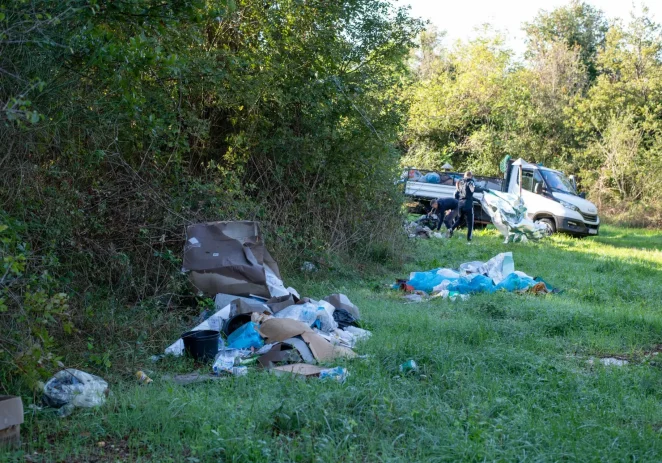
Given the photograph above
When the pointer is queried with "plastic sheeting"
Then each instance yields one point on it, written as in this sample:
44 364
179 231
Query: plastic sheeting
474 277
508 215
75 387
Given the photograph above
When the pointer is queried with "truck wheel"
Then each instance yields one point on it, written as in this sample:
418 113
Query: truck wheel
551 226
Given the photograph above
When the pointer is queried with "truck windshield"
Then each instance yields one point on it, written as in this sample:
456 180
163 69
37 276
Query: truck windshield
558 182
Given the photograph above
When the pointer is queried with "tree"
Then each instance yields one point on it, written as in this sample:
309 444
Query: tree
579 26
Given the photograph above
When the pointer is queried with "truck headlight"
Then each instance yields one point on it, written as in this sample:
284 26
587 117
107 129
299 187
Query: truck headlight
567 205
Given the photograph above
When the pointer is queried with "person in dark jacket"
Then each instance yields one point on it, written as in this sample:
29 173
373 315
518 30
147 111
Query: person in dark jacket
446 210
465 196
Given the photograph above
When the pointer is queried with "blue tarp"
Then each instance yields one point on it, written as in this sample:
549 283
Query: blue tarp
426 281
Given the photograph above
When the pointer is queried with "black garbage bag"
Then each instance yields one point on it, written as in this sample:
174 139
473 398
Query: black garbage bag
344 319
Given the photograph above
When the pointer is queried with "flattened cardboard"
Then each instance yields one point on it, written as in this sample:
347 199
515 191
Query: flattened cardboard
282 352
241 306
11 417
323 350
276 304
228 257
299 369
11 411
280 329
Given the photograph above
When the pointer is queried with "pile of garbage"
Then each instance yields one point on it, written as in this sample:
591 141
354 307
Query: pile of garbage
263 322
473 277
508 215
423 227
279 332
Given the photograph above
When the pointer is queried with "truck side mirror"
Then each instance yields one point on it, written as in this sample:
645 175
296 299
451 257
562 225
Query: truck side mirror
537 189
582 195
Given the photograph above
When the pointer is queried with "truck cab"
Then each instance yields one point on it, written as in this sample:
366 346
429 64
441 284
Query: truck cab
551 197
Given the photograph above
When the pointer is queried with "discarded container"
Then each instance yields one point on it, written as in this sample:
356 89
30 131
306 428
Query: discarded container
75 387
306 313
224 361
409 367
143 378
11 417
239 371
201 345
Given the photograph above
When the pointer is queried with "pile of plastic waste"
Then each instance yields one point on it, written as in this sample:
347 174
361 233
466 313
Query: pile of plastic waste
508 215
497 274
282 332
423 227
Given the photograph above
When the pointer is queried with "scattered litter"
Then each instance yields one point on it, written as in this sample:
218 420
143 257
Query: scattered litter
225 361
508 215
413 297
358 333
308 267
143 378
344 319
239 371
276 304
609 361
474 277
339 374
306 370
300 369
409 367
340 301
74 388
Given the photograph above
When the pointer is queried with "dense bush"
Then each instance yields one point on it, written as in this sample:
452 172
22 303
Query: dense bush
122 122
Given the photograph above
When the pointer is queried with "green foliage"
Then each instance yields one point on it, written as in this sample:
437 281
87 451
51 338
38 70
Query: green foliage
30 306
579 26
586 100
126 121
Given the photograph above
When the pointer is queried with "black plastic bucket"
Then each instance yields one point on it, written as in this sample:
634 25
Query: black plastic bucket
201 345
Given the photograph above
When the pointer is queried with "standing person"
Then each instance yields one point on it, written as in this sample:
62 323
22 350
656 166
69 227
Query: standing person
445 208
465 195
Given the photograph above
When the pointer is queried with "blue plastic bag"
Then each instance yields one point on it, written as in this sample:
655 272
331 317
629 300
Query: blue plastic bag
433 177
425 281
245 337
514 282
477 284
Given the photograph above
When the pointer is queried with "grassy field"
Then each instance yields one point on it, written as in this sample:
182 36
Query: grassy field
503 377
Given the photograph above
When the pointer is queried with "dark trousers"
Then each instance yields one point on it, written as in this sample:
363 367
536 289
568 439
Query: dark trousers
446 219
468 217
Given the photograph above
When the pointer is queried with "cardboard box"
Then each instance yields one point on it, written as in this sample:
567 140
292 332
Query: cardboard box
11 417
228 257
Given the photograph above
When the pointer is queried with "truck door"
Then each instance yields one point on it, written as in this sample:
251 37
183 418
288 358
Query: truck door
532 187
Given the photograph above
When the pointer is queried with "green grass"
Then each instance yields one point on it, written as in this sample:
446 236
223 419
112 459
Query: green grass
503 377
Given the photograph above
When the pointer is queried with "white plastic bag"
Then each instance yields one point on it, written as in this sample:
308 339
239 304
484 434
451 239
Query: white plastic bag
75 387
